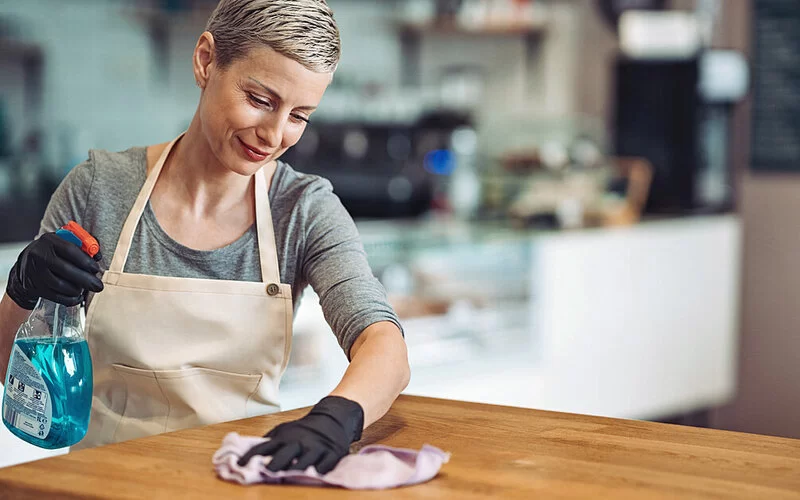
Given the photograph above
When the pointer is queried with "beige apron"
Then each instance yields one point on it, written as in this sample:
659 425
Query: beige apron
172 353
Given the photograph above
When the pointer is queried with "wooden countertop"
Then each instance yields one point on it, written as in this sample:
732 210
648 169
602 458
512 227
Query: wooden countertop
497 452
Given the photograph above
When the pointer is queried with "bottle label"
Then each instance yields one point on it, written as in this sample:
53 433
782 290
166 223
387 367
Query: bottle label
26 404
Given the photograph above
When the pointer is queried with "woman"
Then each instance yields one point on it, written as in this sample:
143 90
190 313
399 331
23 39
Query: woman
208 242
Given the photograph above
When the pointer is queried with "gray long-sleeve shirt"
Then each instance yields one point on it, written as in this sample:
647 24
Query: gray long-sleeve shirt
318 243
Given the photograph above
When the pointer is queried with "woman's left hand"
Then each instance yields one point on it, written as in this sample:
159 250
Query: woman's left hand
321 438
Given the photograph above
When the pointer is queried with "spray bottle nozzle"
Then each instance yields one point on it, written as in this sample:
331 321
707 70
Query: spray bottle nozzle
74 233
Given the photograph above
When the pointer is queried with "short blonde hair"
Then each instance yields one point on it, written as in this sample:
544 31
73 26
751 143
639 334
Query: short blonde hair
302 30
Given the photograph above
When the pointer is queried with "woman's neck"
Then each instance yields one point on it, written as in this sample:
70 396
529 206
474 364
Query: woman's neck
200 183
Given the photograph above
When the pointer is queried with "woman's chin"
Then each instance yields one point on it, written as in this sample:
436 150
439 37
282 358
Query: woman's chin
246 172
243 167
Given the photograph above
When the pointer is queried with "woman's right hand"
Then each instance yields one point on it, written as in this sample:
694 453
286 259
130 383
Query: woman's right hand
53 269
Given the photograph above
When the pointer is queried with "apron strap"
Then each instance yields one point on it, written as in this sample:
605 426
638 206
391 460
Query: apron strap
267 250
126 237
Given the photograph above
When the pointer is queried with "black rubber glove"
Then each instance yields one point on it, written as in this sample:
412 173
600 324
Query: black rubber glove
53 269
321 438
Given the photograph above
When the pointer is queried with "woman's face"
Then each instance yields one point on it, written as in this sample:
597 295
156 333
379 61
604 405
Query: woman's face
257 108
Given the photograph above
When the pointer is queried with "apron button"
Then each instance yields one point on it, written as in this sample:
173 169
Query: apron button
273 289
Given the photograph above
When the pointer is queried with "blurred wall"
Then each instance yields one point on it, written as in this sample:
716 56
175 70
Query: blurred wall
768 400
99 77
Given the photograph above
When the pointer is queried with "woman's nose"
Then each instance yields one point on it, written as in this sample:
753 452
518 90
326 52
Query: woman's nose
270 131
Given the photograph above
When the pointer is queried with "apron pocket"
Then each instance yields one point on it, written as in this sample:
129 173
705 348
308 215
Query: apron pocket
169 400
146 408
202 396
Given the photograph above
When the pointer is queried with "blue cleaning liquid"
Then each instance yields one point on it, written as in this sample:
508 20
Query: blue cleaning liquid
66 367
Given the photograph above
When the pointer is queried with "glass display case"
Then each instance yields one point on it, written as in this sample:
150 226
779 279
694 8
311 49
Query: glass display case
463 292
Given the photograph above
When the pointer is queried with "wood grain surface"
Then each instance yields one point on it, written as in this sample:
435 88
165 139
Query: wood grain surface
497 452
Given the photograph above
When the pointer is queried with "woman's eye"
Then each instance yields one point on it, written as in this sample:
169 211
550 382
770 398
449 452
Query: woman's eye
259 102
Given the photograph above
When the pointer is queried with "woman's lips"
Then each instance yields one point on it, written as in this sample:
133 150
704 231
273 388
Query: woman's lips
251 153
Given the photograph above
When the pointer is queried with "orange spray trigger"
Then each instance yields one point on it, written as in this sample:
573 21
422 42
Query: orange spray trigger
88 242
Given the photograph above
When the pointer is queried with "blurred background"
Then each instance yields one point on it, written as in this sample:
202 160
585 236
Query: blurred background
575 205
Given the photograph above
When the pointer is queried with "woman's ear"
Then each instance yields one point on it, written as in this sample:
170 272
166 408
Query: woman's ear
203 58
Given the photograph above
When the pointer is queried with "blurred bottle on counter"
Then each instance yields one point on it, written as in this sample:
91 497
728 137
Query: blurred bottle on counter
465 184
447 145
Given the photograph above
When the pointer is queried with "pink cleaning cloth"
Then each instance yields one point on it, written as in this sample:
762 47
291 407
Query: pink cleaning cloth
374 467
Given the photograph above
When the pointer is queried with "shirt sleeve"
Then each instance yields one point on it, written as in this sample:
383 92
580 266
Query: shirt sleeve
69 199
335 265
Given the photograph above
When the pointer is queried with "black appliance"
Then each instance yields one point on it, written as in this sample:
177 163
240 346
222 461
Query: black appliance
662 116
657 108
378 170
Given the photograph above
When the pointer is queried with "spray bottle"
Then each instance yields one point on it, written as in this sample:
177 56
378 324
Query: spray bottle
48 389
